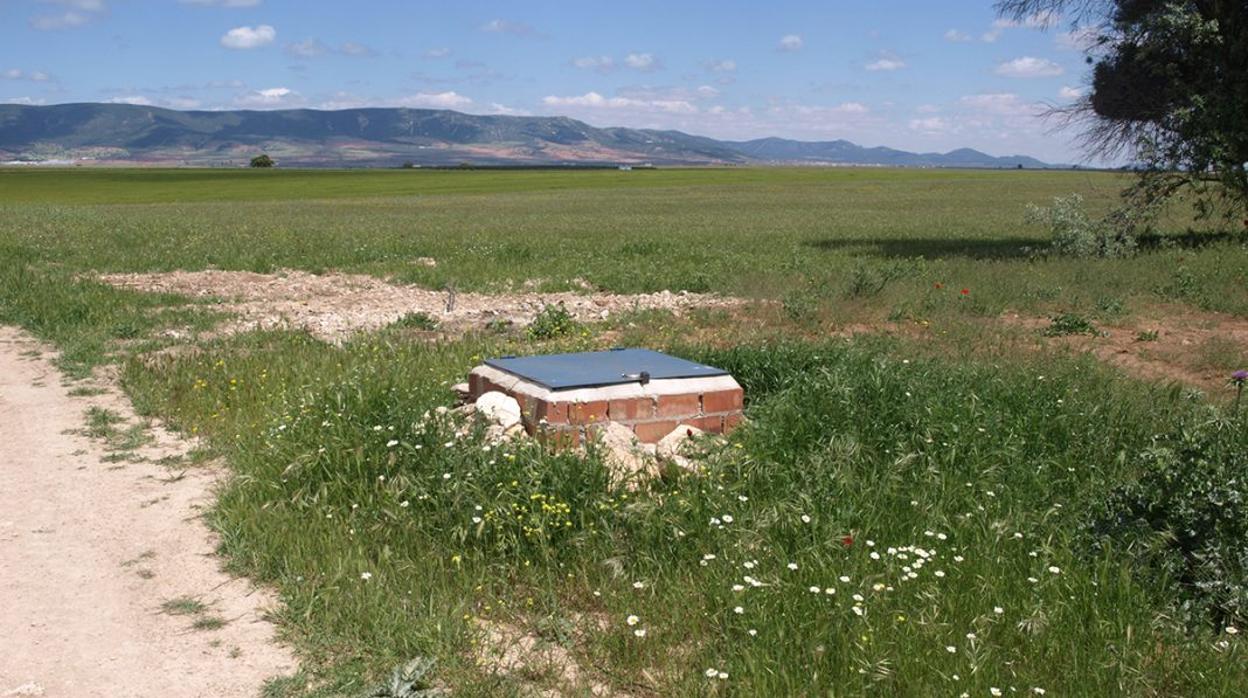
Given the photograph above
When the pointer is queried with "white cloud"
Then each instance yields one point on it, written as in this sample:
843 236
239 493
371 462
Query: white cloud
273 97
351 48
435 100
221 3
644 62
991 35
241 38
594 100
886 62
1078 39
503 110
725 65
308 48
790 42
1069 93
601 64
437 52
76 14
507 26
19 74
998 103
956 36
1029 67
930 125
25 101
138 100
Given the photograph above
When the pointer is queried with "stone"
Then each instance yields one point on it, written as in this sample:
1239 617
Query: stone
500 408
624 454
462 391
672 447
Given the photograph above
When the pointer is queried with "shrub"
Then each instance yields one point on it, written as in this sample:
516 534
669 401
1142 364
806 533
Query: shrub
1074 234
1185 519
262 160
417 320
553 321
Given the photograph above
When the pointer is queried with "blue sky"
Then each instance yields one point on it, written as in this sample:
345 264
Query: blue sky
912 74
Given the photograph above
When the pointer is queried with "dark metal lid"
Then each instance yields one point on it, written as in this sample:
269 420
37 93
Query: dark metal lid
600 368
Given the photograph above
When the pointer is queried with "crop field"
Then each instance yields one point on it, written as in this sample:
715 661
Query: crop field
970 467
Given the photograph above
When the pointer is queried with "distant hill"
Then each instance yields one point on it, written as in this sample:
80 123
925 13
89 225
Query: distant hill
392 136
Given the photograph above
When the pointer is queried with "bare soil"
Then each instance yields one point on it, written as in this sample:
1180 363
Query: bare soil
333 306
1163 343
91 551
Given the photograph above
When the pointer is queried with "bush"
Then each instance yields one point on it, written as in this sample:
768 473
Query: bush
262 160
553 321
1185 519
1068 324
1074 234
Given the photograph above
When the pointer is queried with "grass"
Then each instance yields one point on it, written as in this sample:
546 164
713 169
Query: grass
903 516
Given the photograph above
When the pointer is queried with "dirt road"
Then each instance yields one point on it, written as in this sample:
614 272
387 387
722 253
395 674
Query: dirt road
92 552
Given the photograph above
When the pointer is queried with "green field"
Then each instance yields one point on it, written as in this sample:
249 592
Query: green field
951 508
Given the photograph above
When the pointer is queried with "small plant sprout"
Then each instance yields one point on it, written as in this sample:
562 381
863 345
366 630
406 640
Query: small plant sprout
1237 379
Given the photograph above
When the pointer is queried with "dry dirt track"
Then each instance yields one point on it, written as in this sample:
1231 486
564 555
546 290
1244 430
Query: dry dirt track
89 551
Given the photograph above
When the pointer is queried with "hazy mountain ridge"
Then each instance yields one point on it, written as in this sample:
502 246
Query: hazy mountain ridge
391 136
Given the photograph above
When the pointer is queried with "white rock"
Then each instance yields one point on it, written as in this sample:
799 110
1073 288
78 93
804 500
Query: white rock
672 446
624 455
500 408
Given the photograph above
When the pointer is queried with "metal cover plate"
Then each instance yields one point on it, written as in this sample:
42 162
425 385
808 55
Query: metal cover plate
593 369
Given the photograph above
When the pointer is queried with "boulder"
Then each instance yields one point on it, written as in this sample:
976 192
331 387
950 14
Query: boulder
499 408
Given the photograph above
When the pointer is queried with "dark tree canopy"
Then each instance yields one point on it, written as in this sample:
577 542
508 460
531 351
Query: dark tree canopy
262 160
1169 88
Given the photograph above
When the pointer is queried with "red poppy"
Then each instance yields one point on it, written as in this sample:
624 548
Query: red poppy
939 285
847 541
966 291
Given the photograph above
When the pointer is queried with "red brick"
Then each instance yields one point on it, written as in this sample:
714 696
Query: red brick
632 409
651 432
723 401
713 424
475 383
587 412
559 439
552 412
732 421
687 405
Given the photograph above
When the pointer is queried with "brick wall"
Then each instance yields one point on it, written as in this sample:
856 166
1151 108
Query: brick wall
652 411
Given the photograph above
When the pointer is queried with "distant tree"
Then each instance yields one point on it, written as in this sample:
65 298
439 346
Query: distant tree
262 160
1169 89
409 165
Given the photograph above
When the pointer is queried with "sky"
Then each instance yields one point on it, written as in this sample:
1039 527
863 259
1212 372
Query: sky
910 74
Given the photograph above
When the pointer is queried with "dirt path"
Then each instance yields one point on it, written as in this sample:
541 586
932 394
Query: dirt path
90 551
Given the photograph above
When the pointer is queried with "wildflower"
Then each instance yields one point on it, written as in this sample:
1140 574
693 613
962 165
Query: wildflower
1053 569
749 564
391 443
738 610
994 691
743 498
738 587
722 675
829 591
639 585
366 576
404 504
998 610
446 476
971 636
858 598
814 590
967 292
939 573
941 536
710 673
951 649
858 611
847 541
476 519
805 518
632 620
792 565
1038 691
875 555
640 632
727 518
958 558
844 579
1033 580
1232 630
752 632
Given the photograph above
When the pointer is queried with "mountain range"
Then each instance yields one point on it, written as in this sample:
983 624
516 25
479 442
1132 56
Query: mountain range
380 137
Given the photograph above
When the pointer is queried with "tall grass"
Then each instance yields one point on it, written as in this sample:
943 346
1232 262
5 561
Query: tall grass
944 501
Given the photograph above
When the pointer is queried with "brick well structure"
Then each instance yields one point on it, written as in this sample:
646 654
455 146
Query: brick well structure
651 408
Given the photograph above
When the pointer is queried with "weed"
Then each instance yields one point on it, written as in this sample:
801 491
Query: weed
86 391
1147 336
207 623
552 321
417 320
102 422
184 606
1067 324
